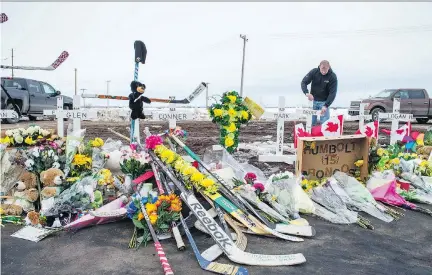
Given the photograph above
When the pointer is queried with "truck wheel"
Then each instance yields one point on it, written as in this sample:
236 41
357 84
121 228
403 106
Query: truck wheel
375 114
32 118
12 120
422 120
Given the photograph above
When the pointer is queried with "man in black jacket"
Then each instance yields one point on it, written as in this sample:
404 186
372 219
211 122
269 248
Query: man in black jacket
323 89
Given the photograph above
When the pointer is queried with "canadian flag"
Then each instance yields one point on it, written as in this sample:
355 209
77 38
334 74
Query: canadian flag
403 131
299 131
333 127
370 129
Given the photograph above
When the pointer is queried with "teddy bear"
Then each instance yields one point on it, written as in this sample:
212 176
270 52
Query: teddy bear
52 181
136 99
24 197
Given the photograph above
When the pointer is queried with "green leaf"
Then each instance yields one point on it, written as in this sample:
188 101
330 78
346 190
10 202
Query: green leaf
138 224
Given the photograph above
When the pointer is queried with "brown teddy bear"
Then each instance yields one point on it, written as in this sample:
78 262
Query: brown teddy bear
24 197
52 181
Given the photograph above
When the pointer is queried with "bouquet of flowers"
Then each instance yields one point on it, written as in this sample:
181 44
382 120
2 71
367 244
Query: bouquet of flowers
230 113
41 158
162 211
33 135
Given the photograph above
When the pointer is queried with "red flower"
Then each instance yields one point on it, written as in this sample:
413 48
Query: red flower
259 186
195 164
250 177
153 141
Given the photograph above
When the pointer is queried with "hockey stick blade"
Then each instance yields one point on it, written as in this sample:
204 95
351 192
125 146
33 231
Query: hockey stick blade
63 56
219 235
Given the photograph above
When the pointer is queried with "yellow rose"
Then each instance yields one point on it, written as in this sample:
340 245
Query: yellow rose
231 128
197 177
232 112
229 142
358 163
244 115
153 218
207 183
380 152
232 98
217 112
150 208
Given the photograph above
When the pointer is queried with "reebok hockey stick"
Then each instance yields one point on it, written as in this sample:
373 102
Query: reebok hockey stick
239 201
219 235
63 56
205 264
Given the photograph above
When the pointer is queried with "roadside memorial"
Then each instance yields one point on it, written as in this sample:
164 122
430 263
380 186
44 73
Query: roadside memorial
229 114
280 117
320 157
309 113
396 133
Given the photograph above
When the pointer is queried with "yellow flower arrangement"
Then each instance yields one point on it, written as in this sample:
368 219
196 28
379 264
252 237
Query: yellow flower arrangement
188 172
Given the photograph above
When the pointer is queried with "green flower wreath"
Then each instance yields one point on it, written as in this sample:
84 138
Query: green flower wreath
230 113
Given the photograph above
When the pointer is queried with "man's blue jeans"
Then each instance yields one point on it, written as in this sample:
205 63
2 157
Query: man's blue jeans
317 105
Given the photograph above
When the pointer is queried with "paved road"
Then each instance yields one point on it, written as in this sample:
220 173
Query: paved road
401 247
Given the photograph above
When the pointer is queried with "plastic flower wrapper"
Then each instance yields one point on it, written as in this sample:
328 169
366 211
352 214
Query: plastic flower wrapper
361 198
378 179
78 197
99 158
326 197
72 142
248 192
416 195
419 182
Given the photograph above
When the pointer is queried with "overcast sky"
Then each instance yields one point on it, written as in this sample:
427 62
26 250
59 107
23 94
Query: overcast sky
371 46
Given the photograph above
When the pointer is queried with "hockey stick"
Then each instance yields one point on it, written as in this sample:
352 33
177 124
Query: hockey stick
164 261
179 241
186 100
63 56
219 235
3 17
204 263
239 201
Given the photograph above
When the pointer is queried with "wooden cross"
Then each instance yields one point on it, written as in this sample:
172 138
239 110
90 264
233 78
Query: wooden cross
395 117
309 113
8 114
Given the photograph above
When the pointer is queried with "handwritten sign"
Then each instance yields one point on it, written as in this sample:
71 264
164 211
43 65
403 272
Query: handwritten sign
255 109
321 157
71 114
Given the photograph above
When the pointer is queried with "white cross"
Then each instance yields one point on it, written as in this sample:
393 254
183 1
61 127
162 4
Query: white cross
75 114
361 116
395 117
309 113
281 116
173 116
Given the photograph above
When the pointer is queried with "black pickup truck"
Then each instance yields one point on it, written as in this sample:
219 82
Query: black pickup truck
31 97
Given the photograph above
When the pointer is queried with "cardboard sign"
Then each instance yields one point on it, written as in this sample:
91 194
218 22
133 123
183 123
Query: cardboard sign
256 110
321 157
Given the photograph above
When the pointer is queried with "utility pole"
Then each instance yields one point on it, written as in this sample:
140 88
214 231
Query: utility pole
76 81
244 51
83 97
12 63
207 96
108 82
